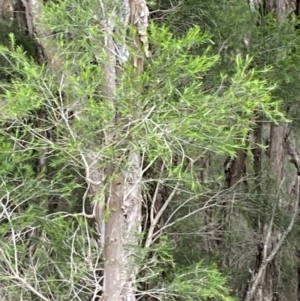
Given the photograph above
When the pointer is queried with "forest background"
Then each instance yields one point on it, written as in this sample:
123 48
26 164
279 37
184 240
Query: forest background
149 150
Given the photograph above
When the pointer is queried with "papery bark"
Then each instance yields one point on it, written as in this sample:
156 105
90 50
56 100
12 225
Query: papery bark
124 198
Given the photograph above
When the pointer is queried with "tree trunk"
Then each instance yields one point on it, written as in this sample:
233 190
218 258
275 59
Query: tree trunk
294 193
260 287
269 237
6 10
235 170
123 200
277 151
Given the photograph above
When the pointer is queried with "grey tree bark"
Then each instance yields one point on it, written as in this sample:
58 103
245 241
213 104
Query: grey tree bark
123 199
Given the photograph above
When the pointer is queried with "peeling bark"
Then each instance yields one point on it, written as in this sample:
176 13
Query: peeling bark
123 202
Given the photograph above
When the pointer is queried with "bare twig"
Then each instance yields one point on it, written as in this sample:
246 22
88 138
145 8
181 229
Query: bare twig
267 259
159 215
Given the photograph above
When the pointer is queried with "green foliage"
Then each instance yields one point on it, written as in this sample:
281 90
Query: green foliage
190 118
199 282
196 281
167 113
12 37
236 29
